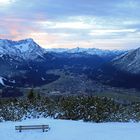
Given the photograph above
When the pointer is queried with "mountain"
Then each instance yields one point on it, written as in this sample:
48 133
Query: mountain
122 71
22 63
91 51
23 49
129 62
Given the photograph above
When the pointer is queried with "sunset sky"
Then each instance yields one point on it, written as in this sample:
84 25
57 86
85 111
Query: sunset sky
105 24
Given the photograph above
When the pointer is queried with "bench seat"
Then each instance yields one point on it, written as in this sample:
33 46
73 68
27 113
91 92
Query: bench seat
30 127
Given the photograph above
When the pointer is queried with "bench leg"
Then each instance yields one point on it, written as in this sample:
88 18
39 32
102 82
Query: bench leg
43 128
20 129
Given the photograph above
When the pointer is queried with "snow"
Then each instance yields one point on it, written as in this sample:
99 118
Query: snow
22 47
25 49
91 51
1 81
57 50
42 78
71 130
28 49
129 61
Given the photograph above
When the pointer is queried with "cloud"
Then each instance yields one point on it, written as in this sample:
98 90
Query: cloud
62 23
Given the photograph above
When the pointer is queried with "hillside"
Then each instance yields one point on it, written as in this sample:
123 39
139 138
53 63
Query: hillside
129 62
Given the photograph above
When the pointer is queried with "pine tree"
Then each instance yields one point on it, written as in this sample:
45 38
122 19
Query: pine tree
31 95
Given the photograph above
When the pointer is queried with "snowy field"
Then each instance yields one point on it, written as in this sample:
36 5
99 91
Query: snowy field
71 130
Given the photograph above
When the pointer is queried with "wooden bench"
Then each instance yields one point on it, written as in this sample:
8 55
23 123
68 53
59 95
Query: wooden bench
27 127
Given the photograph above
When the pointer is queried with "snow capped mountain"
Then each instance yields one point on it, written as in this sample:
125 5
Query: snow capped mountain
129 61
91 51
57 50
28 49
25 49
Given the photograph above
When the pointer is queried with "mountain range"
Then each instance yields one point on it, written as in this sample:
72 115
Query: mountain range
25 64
91 51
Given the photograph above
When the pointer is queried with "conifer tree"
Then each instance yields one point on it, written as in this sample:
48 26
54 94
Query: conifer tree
31 95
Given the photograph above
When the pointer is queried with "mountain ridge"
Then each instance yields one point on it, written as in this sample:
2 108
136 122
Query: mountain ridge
25 49
90 51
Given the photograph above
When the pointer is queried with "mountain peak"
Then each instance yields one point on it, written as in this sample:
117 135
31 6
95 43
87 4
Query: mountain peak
28 40
25 49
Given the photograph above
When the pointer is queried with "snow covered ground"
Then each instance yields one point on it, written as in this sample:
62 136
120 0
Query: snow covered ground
1 80
71 130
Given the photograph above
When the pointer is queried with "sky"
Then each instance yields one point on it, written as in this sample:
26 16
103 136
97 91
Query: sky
105 24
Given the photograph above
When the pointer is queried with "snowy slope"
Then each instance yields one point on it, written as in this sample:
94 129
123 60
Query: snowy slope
129 62
25 49
71 130
1 81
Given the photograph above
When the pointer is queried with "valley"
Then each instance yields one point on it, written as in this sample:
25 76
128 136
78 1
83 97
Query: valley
67 72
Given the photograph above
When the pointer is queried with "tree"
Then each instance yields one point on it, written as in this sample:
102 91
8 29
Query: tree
31 95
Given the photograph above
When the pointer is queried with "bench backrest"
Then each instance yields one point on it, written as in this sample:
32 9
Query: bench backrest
26 127
31 126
